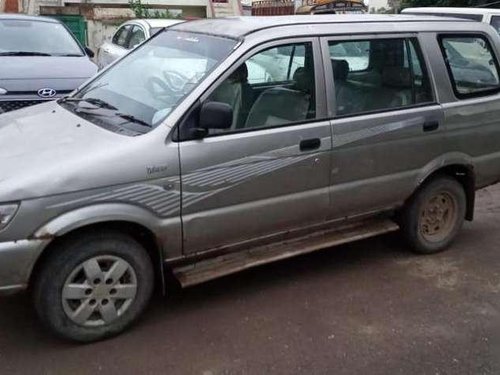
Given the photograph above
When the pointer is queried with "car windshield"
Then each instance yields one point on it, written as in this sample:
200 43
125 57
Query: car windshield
26 37
140 91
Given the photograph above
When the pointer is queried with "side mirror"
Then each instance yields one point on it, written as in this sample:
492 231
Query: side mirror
89 52
216 115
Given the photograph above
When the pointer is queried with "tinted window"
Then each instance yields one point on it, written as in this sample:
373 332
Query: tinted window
395 76
495 23
472 65
272 88
137 36
356 53
121 36
38 37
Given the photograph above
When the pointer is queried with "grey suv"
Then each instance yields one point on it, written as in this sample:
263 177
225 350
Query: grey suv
40 60
220 145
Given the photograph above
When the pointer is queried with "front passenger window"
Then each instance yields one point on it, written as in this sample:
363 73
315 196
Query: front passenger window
272 88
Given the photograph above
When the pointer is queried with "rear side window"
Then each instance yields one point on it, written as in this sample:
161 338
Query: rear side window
471 64
137 36
378 75
121 36
495 23
356 53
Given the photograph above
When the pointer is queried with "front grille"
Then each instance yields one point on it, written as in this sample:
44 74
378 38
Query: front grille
6 106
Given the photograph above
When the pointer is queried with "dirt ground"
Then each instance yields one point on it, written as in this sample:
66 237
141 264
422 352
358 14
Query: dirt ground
369 307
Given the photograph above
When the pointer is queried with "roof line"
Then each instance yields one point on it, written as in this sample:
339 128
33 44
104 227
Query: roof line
350 22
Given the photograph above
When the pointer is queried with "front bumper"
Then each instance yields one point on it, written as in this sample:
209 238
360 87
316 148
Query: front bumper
16 264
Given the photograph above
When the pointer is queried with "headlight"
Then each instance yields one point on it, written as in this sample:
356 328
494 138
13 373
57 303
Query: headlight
7 212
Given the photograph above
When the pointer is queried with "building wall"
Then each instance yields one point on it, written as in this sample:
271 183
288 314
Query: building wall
9 6
103 21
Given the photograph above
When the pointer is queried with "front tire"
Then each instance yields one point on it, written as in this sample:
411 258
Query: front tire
434 215
93 286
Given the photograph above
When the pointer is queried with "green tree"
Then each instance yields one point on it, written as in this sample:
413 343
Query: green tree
142 11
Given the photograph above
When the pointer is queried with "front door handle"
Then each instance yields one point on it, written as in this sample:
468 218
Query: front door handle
310 144
430 126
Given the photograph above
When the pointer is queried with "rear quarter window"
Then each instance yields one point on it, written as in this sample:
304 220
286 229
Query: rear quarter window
472 65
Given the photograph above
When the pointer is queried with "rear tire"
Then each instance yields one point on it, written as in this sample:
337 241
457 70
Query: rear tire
434 215
93 286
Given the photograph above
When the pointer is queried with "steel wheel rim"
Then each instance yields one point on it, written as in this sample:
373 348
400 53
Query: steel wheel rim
99 291
438 217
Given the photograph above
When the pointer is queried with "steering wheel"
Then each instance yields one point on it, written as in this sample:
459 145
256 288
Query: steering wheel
173 83
158 87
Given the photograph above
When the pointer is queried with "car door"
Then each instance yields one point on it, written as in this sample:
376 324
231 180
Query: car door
110 51
386 126
269 172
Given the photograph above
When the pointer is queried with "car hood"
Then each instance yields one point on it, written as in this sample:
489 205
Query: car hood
45 67
47 150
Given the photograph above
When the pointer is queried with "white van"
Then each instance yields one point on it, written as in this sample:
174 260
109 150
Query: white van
488 15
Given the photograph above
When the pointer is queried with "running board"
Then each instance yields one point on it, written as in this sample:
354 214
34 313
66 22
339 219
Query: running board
234 262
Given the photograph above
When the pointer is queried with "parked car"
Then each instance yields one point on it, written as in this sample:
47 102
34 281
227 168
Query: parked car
181 160
490 16
40 60
128 36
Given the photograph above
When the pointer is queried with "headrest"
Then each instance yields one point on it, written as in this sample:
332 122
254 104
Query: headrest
395 76
340 69
304 80
240 74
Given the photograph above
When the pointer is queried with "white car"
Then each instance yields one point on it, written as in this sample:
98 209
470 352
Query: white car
128 36
490 16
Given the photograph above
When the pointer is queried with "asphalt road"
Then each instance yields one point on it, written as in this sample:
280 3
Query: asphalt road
369 307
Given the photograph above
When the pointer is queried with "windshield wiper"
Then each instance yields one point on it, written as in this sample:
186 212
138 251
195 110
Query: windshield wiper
69 55
133 119
94 101
24 53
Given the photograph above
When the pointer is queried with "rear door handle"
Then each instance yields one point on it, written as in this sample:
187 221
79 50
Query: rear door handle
430 126
310 144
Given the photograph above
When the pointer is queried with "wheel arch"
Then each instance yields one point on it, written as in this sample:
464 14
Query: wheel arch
463 172
136 223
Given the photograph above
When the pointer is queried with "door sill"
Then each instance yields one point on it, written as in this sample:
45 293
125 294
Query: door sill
226 264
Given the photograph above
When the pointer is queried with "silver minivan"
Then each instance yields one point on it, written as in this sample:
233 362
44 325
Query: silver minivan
220 145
